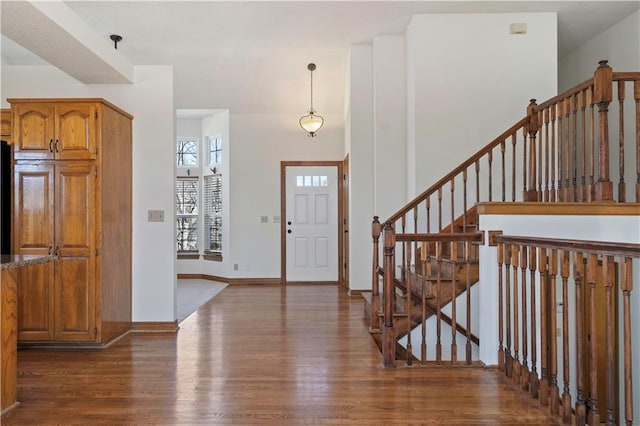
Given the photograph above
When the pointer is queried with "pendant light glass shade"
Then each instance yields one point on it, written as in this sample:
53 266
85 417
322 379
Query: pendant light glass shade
311 122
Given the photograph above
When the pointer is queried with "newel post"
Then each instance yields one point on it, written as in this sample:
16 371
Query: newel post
602 96
388 332
532 129
374 325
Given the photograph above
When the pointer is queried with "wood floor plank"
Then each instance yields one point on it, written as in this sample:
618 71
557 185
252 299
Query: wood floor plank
259 355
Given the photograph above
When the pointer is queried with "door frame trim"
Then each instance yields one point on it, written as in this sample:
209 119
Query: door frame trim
283 213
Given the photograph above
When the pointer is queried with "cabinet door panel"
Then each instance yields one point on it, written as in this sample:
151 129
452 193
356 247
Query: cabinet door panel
75 299
75 201
75 131
33 131
35 303
33 209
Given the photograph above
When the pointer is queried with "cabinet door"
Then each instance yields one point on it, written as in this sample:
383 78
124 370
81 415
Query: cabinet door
33 223
75 131
36 303
33 131
75 245
5 125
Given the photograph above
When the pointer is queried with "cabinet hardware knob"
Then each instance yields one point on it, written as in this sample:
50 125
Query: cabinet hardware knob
57 250
56 145
50 145
49 251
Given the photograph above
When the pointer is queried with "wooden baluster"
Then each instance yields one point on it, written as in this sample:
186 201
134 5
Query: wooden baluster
517 374
627 286
464 200
478 181
453 217
578 276
546 155
583 183
533 377
440 209
504 191
608 275
388 333
621 185
566 396
602 96
490 161
407 302
513 166
592 150
438 313
525 366
560 151
501 366
574 158
592 270
554 177
403 276
428 206
467 257
454 325
636 97
532 129
544 327
415 220
567 151
554 391
423 344
540 158
374 325
508 359
524 163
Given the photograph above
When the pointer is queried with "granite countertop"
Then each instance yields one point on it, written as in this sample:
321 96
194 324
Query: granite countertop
10 261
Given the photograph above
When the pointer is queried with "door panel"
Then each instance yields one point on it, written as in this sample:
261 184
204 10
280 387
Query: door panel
75 296
75 131
75 200
33 131
312 223
35 303
33 209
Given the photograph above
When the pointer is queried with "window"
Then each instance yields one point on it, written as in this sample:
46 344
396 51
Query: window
213 217
215 150
187 214
311 181
187 152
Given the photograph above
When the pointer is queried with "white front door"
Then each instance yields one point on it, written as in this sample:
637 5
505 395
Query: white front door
312 223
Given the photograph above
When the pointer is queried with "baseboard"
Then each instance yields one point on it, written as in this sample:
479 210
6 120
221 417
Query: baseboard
313 283
357 293
154 326
254 281
203 277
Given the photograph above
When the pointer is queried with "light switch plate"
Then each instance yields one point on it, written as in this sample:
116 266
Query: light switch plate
155 215
264 219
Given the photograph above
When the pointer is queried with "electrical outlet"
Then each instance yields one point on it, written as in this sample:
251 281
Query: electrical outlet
235 266
264 219
559 332
276 219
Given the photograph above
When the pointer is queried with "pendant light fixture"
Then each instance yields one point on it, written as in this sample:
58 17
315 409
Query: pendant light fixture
311 122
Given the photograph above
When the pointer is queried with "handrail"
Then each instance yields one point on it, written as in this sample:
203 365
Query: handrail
600 247
567 93
626 76
442 237
475 157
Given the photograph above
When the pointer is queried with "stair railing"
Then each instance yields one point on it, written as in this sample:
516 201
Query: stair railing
559 152
585 283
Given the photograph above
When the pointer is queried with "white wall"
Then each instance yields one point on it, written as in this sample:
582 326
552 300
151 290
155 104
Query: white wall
258 143
361 166
624 229
150 100
620 45
470 81
389 130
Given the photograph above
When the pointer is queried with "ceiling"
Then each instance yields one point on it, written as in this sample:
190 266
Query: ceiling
251 57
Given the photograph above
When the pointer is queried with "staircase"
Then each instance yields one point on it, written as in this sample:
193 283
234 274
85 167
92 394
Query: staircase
426 254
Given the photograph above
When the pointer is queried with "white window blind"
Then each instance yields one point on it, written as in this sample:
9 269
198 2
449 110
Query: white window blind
187 214
213 214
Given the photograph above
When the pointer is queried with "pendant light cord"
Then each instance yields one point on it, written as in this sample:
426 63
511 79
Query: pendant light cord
311 91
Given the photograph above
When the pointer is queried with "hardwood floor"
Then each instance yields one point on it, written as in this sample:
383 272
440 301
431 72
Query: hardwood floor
259 355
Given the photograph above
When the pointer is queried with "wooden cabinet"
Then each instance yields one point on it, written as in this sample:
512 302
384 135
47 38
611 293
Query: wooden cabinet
5 125
49 130
36 303
62 207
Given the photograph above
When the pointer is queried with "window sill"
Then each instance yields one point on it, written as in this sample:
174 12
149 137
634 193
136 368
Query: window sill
216 257
188 256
